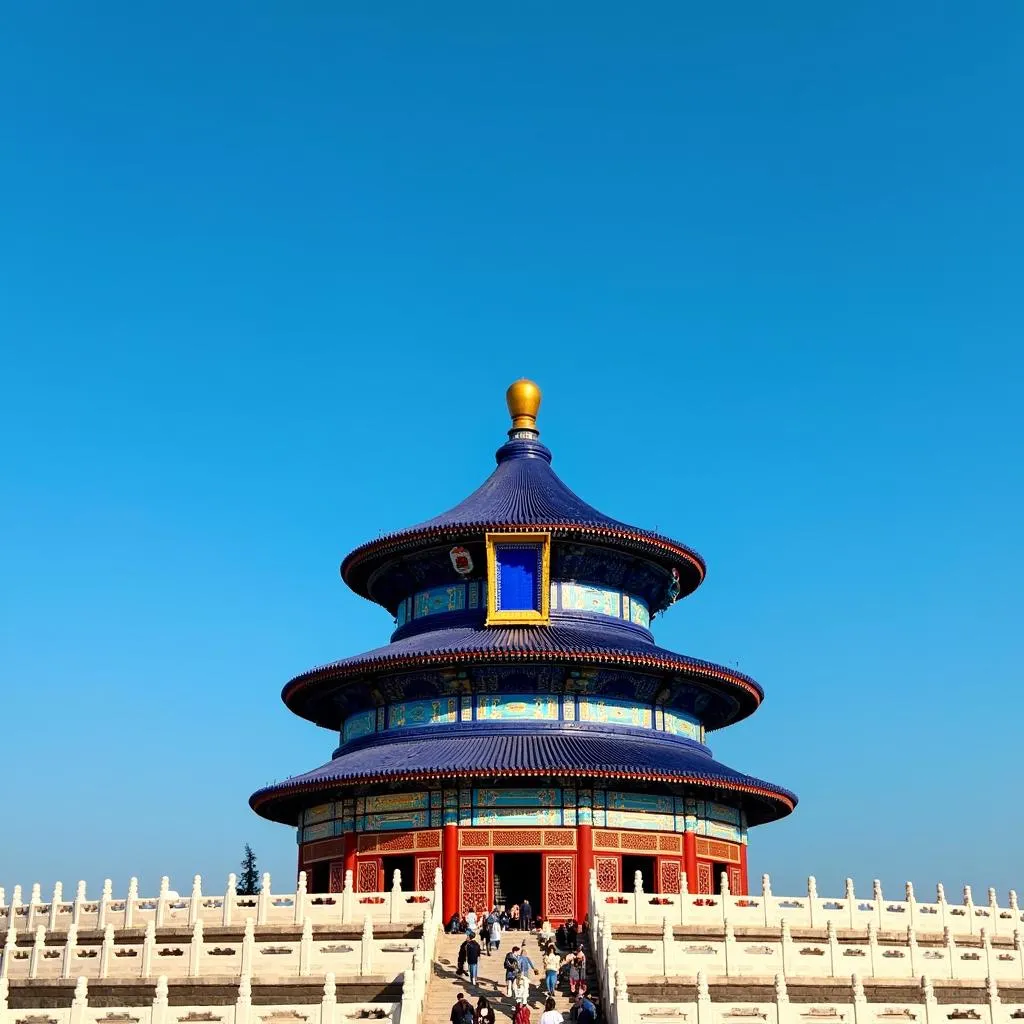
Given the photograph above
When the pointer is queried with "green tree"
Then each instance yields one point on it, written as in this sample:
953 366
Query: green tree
249 880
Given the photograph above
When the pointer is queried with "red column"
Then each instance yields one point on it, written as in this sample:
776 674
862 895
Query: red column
745 891
449 871
350 854
690 860
584 862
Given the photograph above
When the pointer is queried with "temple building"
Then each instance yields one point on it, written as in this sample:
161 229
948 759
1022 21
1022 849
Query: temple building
522 726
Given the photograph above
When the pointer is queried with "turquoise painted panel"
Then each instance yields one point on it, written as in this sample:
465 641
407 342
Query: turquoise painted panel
439 599
638 613
649 802
720 830
614 712
579 597
397 802
396 821
517 816
517 797
325 830
679 724
722 812
418 713
362 723
514 707
639 820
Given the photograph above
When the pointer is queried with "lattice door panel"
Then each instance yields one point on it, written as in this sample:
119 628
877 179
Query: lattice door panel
367 876
607 870
559 887
736 886
336 881
474 882
705 881
670 876
425 867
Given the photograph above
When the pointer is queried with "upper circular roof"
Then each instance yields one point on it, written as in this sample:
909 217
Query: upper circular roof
524 492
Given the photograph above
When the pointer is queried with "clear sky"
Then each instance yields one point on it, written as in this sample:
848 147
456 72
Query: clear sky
266 270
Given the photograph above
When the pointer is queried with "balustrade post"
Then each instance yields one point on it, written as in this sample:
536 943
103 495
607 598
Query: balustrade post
950 944
993 912
195 953
860 1002
622 1014
993 1000
56 901
986 949
248 946
781 1000
1018 946
912 950
684 897
348 898
704 1011
104 905
767 903
878 899
243 1004
229 900
306 948
161 900
35 958
725 895
148 948
851 902
940 898
80 1002
833 947
366 947
638 891
911 906
786 939
667 948
129 903
9 944
195 903
873 948
969 909
931 1004
76 908
329 1003
408 1010
34 901
729 947
812 899
70 944
394 904
107 951
160 1001
263 900
300 899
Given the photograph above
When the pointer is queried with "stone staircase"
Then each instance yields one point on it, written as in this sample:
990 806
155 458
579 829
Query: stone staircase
444 985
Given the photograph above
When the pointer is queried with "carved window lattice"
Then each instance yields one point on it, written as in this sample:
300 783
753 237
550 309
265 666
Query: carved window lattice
401 842
716 850
336 880
705 883
639 841
473 879
506 837
670 876
608 840
474 839
607 870
425 867
429 841
670 844
366 876
560 888
560 837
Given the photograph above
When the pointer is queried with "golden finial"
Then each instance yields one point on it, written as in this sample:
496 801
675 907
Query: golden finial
523 399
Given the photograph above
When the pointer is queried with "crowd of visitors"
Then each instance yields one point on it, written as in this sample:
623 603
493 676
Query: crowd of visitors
562 955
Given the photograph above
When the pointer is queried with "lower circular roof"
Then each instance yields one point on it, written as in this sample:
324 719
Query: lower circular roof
487 753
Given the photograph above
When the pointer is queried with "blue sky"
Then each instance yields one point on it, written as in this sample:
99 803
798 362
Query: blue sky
265 272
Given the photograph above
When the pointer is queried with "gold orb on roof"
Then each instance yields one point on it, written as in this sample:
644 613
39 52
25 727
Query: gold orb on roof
523 399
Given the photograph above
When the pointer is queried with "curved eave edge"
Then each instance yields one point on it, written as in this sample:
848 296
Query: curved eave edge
263 800
399 542
330 672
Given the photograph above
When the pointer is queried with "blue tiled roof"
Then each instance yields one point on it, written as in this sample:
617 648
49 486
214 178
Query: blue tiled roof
580 643
523 490
481 752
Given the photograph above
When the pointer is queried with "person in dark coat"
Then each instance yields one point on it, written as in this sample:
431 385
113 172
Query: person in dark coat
462 1011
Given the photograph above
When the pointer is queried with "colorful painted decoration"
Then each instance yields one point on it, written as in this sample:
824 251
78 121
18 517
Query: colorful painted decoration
462 561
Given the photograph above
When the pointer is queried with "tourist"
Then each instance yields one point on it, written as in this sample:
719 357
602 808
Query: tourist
562 938
471 920
571 933
511 966
577 971
522 1014
586 1012
453 924
461 969
546 934
494 936
521 989
472 958
462 1011
513 917
552 963
484 1012
526 915
503 918
525 963
550 1014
